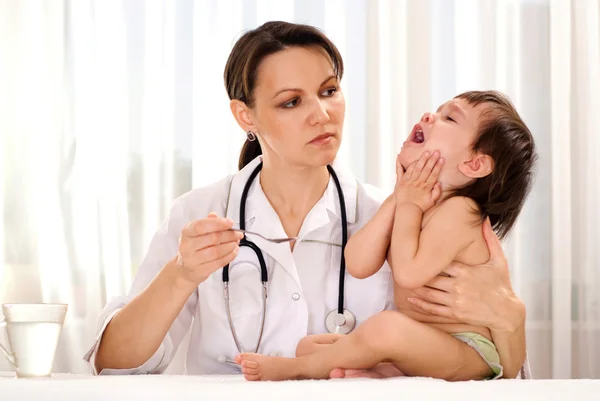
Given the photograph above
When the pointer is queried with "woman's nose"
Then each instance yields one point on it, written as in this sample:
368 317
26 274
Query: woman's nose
427 118
320 114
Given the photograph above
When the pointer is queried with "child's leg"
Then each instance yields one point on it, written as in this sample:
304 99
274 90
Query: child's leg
415 348
315 343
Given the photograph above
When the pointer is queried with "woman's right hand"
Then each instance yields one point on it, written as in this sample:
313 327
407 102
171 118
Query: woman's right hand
205 246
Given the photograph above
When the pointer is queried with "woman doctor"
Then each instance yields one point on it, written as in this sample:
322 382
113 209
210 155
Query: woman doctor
283 80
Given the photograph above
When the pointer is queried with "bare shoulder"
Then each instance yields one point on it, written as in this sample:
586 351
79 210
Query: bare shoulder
461 216
456 210
461 204
477 252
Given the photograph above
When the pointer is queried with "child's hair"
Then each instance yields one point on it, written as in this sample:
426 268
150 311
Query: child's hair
504 137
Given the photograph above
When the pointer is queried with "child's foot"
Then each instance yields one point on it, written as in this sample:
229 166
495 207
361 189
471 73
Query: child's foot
257 367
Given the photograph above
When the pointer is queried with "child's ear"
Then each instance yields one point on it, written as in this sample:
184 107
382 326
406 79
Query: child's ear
478 167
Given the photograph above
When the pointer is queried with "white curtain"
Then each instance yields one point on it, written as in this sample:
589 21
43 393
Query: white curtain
111 108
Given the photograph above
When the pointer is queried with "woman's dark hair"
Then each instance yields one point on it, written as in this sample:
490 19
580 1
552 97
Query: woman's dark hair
504 137
250 50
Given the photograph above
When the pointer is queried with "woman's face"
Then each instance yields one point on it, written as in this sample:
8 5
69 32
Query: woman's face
298 107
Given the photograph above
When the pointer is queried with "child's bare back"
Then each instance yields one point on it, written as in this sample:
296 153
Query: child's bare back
474 254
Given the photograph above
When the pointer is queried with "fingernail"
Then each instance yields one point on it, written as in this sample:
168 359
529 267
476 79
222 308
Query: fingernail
441 160
229 221
411 300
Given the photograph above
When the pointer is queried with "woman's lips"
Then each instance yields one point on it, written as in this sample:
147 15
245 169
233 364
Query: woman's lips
322 139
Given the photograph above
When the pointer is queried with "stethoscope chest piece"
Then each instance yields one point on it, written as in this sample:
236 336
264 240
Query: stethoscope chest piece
340 323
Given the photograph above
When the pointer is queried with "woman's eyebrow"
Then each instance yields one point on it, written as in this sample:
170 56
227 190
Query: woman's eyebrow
286 90
300 90
328 79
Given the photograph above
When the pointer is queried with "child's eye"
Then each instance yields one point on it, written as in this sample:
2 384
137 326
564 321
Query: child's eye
450 118
290 104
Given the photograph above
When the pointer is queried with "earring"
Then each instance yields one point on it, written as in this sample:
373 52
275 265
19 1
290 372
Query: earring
251 136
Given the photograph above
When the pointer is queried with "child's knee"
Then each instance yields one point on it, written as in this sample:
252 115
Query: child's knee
389 320
384 328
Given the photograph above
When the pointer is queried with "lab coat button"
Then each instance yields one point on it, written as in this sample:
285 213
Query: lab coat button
295 296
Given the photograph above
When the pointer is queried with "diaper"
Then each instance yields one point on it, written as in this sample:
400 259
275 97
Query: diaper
485 348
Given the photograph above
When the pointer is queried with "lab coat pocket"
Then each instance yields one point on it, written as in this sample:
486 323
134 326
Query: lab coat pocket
245 298
363 297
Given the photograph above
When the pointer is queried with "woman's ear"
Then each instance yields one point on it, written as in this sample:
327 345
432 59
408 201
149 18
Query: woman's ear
479 166
241 113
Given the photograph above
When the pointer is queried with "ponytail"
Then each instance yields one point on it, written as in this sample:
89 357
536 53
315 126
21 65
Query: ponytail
250 151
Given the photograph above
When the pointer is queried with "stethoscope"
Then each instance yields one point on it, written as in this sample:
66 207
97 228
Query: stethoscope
339 320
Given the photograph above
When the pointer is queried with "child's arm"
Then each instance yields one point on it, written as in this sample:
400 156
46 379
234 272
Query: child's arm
418 256
366 250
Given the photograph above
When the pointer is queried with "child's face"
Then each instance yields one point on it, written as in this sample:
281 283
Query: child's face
451 130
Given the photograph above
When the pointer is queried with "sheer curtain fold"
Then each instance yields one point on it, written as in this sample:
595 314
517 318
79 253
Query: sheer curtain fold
585 103
562 176
111 109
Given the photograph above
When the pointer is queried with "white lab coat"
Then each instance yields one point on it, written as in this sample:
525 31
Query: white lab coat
302 287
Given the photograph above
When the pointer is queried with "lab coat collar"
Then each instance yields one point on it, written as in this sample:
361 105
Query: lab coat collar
268 224
236 188
330 199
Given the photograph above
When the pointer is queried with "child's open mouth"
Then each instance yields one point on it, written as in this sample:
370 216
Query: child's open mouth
417 135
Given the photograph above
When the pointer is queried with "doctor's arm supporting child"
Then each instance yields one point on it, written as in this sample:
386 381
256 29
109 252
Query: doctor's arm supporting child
470 164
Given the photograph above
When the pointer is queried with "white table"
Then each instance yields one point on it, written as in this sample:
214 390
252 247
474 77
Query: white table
199 388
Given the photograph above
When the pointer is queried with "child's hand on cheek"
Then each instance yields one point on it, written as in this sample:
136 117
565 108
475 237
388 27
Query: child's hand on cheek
419 183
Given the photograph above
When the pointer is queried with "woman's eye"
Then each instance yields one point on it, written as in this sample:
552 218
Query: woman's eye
329 92
292 103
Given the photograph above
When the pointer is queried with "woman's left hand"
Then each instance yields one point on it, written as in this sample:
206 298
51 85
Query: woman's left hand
480 295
